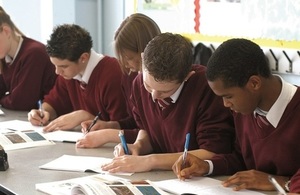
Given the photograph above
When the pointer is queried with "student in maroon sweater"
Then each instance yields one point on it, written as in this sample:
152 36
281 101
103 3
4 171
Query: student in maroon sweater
88 82
26 73
266 114
168 72
130 41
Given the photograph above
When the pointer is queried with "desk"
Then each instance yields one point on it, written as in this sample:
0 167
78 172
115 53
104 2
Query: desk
24 173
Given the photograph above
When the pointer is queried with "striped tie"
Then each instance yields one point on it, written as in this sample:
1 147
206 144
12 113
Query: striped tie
83 85
163 103
262 121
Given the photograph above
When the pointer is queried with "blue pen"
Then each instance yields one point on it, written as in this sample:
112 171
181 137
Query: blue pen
123 142
41 108
186 148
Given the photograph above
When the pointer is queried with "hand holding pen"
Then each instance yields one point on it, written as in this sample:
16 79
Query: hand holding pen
93 123
186 147
41 109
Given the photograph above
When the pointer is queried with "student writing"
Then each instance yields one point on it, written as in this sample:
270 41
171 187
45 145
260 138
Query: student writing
165 111
130 40
88 82
265 110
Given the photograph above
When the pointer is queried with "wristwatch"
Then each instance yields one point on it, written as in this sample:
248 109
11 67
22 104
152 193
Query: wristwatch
287 185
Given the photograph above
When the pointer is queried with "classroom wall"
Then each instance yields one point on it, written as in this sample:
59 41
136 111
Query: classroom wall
36 18
101 18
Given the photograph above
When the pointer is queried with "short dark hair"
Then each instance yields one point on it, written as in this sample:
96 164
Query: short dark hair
168 57
69 41
235 61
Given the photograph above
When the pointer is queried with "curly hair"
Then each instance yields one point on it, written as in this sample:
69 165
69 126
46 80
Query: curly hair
69 41
168 57
235 61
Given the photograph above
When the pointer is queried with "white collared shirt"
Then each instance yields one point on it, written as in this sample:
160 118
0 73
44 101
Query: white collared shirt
276 111
92 63
10 60
175 95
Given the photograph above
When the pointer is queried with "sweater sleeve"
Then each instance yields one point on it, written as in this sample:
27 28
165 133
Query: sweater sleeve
295 183
228 164
59 97
215 126
111 96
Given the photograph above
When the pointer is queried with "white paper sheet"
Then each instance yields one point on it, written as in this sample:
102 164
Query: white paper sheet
200 185
80 164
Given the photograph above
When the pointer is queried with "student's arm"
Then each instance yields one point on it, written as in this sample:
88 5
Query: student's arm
3 88
98 138
166 161
100 124
294 184
68 121
128 163
142 143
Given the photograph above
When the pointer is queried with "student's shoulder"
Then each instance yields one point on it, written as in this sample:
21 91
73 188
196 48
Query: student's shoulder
108 65
31 45
295 101
199 69
107 60
199 75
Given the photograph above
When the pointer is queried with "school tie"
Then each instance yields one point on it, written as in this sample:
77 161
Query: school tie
163 103
82 85
262 121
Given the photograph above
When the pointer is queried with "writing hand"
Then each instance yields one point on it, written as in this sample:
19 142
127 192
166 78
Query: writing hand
194 166
34 117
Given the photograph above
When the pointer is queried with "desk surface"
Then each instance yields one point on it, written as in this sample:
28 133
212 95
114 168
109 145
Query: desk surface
24 173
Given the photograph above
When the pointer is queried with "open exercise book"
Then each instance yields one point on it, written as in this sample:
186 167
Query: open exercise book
80 164
1 112
12 140
99 185
201 186
58 136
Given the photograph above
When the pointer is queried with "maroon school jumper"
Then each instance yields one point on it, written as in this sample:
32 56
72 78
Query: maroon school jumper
103 93
128 124
127 80
273 150
30 76
197 111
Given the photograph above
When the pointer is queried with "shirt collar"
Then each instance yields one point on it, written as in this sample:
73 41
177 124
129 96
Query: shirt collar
175 95
275 113
92 63
10 60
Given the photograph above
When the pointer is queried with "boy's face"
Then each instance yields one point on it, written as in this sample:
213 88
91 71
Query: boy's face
159 90
238 99
66 68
